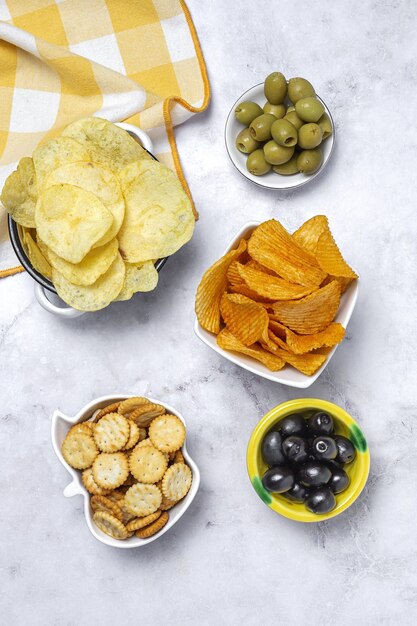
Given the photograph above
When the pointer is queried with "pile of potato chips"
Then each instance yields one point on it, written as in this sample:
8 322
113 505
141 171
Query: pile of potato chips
275 296
96 212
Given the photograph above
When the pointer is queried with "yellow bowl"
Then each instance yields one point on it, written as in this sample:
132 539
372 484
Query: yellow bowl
358 470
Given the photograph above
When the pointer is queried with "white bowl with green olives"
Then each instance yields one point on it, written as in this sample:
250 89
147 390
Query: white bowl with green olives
280 134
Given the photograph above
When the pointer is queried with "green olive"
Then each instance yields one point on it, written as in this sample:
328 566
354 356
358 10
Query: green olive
288 168
309 161
276 154
245 142
310 136
256 163
284 133
325 124
260 127
309 109
275 88
278 110
292 117
299 88
246 111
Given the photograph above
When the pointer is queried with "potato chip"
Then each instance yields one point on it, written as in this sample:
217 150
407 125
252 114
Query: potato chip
39 262
311 314
227 341
309 233
330 259
307 364
94 264
233 275
247 320
271 245
98 180
107 144
55 152
139 277
211 289
343 281
244 290
92 297
159 218
70 220
19 194
271 287
300 344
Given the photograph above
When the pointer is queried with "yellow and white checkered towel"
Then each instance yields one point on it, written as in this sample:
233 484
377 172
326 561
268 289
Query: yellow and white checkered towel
134 60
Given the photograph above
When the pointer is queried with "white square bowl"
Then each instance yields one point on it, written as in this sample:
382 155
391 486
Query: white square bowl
60 426
288 375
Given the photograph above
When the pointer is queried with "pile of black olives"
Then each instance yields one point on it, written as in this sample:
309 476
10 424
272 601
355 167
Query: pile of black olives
286 134
306 459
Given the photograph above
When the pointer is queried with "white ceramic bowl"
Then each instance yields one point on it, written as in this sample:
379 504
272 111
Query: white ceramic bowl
270 180
62 423
288 375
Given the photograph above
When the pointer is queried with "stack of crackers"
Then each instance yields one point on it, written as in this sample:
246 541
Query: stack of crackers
130 454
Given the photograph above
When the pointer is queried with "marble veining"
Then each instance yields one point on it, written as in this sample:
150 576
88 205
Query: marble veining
231 560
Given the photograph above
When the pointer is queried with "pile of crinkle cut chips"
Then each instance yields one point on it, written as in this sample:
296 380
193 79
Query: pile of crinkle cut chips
96 212
275 296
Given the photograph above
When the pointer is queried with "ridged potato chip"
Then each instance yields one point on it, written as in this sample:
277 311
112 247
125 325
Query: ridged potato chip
139 277
38 260
311 314
92 297
107 144
55 152
159 218
271 287
94 264
227 341
330 258
19 194
70 220
211 289
309 233
233 275
343 281
98 180
300 344
247 320
307 364
271 245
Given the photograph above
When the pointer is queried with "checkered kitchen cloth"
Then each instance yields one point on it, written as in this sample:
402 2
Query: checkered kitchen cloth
134 60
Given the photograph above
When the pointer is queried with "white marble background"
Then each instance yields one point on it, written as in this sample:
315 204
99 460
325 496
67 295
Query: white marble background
231 560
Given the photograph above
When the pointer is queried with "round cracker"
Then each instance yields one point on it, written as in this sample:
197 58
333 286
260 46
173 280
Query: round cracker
112 432
126 407
110 525
147 464
110 408
101 503
91 485
134 435
110 470
155 527
167 433
82 427
141 522
177 481
79 449
144 414
141 500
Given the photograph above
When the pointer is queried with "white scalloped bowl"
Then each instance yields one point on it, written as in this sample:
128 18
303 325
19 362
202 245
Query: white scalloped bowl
62 423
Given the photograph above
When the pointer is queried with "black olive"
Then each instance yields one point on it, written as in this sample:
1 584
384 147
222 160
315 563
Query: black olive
345 449
320 424
314 474
324 448
297 493
292 425
278 479
295 449
271 449
320 501
339 480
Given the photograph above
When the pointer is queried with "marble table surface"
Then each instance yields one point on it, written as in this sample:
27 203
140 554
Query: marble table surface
231 560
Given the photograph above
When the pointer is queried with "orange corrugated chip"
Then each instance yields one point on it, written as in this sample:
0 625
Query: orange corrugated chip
311 314
300 344
330 258
344 282
271 245
233 275
228 342
306 363
309 233
247 320
211 288
271 287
